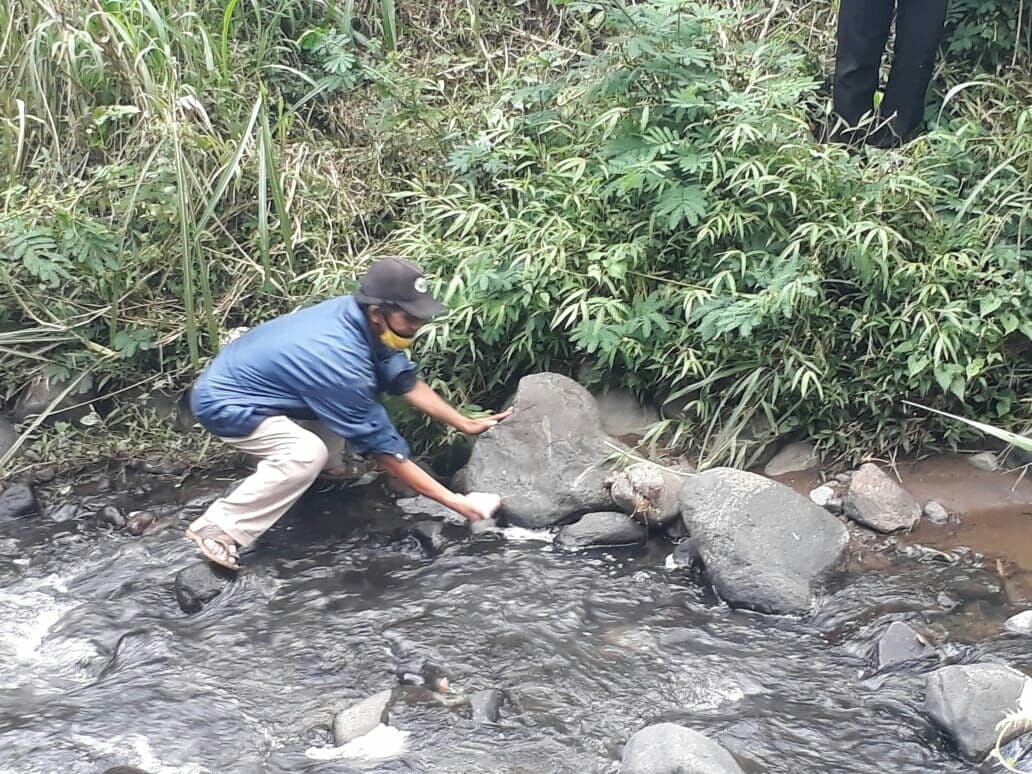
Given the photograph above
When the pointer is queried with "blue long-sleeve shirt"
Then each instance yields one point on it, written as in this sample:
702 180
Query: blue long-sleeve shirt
319 362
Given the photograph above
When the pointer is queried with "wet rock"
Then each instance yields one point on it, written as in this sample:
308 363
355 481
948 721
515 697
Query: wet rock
900 643
138 522
420 505
822 495
64 512
429 534
37 397
763 545
425 674
161 524
549 461
986 461
623 414
197 585
834 505
936 513
647 490
967 701
486 705
17 500
1020 623
676 531
878 502
667 748
8 436
797 456
361 718
683 555
602 529
111 516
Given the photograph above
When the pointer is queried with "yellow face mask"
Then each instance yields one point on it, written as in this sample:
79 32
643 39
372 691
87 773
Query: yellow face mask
391 339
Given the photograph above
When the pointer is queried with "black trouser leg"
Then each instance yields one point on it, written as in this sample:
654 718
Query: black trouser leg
863 29
919 26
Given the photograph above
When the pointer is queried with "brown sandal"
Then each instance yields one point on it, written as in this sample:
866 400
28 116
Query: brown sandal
216 545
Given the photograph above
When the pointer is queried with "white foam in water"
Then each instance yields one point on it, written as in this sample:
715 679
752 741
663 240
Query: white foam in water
528 535
382 742
138 744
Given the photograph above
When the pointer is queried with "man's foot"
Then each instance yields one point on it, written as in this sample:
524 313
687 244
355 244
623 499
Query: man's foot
215 544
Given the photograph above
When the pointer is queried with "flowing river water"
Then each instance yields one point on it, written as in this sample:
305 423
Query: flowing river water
100 668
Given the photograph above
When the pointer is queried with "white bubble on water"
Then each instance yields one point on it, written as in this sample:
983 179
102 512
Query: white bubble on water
382 742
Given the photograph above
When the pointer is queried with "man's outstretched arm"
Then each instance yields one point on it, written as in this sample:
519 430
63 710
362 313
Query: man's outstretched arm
436 407
473 508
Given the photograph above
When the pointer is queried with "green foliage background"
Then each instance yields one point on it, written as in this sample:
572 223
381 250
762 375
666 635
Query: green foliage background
630 193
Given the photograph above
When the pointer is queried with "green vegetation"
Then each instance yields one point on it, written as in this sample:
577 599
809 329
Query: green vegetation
632 193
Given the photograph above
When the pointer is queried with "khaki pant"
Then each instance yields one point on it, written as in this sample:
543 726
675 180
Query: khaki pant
291 454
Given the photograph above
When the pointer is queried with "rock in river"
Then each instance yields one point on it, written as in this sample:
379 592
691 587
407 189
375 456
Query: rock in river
602 529
763 545
485 705
878 502
361 718
196 585
967 701
667 748
17 500
649 491
550 460
900 643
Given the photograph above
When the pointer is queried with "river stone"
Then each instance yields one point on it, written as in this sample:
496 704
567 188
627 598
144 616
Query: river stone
1020 623
797 456
40 393
967 701
110 515
647 490
878 502
936 513
485 705
986 461
550 460
430 535
667 748
822 495
762 544
138 522
361 718
607 528
196 585
623 414
17 500
900 643
63 512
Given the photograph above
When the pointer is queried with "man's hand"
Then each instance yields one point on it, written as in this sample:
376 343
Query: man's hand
477 426
477 506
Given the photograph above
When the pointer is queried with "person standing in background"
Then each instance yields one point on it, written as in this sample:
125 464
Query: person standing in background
863 30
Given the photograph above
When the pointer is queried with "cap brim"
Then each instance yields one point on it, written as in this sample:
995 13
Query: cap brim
423 308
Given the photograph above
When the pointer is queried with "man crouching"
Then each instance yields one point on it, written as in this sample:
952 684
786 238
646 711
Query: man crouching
323 366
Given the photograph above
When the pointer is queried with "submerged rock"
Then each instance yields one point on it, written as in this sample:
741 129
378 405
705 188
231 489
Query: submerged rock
967 701
197 585
138 522
361 718
647 490
936 513
486 705
763 545
17 500
429 534
797 456
111 516
602 529
986 461
623 414
549 461
878 502
900 643
667 748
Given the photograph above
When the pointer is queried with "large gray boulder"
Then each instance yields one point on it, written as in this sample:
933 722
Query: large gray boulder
967 701
648 491
762 544
602 529
361 718
549 461
878 502
197 585
667 748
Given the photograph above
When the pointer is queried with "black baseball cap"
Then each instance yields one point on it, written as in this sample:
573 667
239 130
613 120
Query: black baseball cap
400 283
